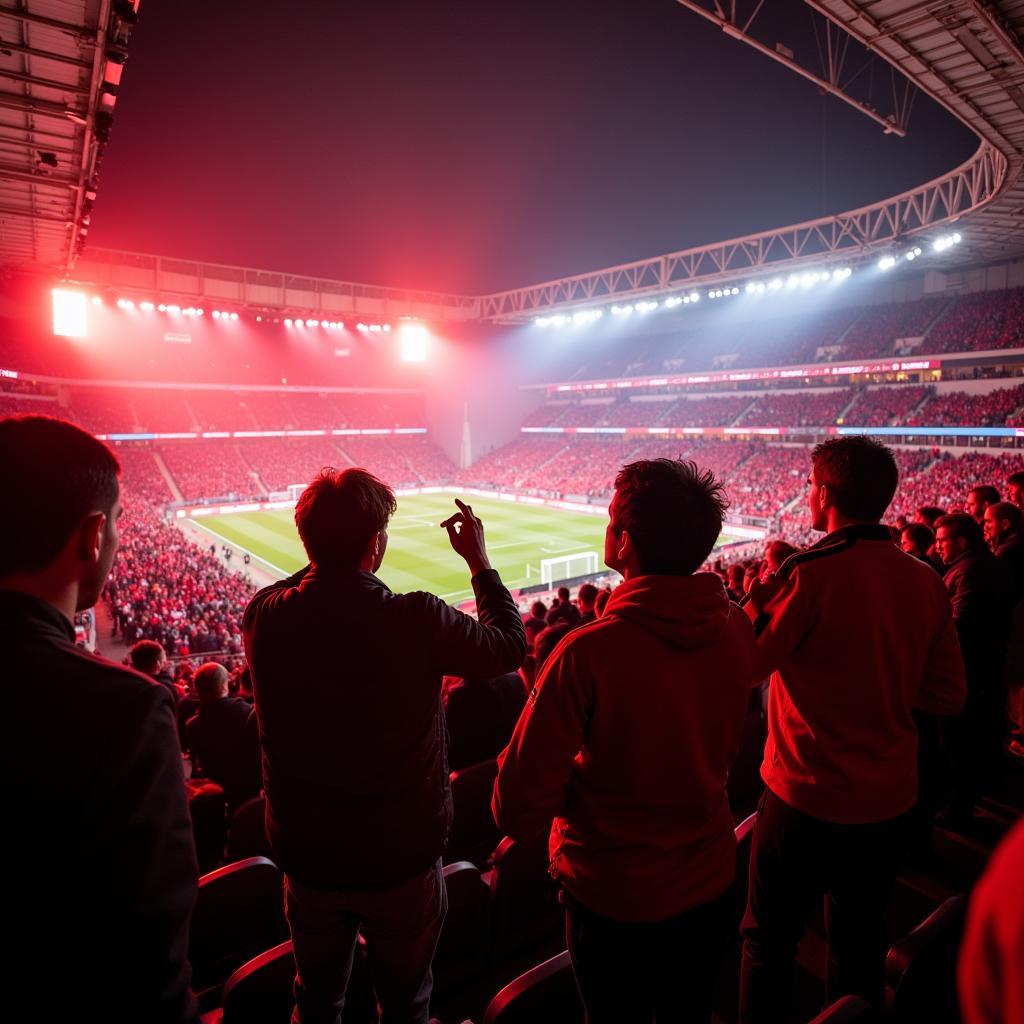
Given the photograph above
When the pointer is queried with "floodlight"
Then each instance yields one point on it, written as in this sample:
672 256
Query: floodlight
69 319
887 263
287 321
174 309
621 310
414 343
694 296
387 327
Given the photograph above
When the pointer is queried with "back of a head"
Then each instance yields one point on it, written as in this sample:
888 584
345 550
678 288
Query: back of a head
587 596
563 595
673 512
920 536
776 552
147 656
861 474
539 610
55 474
929 515
210 682
338 514
960 524
986 494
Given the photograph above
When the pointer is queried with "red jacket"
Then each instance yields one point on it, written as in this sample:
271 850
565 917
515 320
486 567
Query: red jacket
990 974
626 743
860 635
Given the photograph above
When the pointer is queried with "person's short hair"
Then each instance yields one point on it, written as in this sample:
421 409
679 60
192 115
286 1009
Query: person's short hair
1017 479
960 524
338 513
921 536
1008 511
54 475
563 595
210 681
986 493
587 595
930 514
146 656
539 610
860 472
602 600
673 511
778 551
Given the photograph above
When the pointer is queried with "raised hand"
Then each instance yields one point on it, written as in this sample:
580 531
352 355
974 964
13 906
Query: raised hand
466 535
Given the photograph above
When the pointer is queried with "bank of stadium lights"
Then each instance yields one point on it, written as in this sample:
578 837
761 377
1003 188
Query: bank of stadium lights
221 314
722 293
373 328
947 242
586 316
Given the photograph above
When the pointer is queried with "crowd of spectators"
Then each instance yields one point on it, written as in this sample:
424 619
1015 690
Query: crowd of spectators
880 406
212 469
981 322
163 587
796 409
960 408
875 333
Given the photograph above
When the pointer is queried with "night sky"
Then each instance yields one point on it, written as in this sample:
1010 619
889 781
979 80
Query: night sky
473 147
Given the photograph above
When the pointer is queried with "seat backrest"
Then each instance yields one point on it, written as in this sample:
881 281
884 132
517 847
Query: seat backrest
260 992
474 833
464 935
239 913
247 835
848 1010
524 896
545 994
921 968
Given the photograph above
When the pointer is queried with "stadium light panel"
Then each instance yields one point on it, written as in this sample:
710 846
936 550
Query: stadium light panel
646 307
97 301
174 310
621 310
69 319
887 263
414 343
287 321
146 307
387 327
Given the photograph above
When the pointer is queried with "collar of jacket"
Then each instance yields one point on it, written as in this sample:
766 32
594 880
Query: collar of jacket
38 615
346 579
854 532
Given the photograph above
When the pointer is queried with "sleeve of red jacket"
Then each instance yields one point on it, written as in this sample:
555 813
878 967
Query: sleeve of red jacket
780 627
944 686
535 768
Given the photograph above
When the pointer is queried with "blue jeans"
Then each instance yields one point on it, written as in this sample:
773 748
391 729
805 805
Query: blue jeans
401 927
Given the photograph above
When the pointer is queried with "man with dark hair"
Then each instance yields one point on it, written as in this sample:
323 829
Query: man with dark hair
917 539
626 742
222 737
564 610
979 498
856 635
587 598
775 554
536 622
98 844
149 658
929 515
981 592
347 678
1015 489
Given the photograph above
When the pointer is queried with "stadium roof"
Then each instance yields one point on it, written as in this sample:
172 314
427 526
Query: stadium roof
966 54
60 66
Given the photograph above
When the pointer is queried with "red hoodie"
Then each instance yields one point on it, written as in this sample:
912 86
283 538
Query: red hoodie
626 743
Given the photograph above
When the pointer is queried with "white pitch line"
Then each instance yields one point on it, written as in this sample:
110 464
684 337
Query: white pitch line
558 551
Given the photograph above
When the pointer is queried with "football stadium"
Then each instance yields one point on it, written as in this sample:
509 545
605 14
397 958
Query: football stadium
513 513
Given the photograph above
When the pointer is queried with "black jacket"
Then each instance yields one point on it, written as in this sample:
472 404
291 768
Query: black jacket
225 747
99 863
347 678
982 595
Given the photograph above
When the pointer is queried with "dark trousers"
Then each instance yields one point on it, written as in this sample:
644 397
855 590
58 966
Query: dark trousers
975 740
794 861
629 973
401 927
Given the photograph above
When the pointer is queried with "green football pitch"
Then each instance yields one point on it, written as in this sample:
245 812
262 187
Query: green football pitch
419 556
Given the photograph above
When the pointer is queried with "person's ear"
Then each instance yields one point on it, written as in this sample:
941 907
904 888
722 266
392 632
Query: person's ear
90 536
626 551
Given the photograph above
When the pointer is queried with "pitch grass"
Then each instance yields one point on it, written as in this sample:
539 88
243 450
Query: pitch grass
419 556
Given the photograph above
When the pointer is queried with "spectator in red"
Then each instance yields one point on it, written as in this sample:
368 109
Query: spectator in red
626 742
856 635
990 972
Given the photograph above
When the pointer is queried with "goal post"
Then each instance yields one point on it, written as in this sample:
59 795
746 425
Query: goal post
567 567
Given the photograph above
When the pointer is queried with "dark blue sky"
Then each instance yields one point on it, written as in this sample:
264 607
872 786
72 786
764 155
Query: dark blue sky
473 147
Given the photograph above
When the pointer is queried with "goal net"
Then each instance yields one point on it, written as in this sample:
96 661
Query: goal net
567 567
